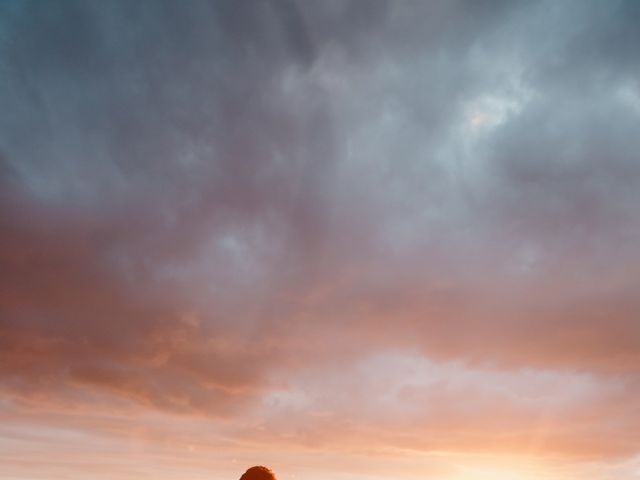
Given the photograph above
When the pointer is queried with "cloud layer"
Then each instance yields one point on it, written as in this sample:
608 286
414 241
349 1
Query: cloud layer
342 226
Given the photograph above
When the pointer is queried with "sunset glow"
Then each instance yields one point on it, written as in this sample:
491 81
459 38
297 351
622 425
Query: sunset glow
345 239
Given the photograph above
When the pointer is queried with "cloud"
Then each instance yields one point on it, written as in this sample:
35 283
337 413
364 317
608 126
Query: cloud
229 210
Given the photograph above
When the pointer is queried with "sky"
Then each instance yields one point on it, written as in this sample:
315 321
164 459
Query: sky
347 239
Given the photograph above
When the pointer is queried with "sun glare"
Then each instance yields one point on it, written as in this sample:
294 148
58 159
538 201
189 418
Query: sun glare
495 474
502 469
